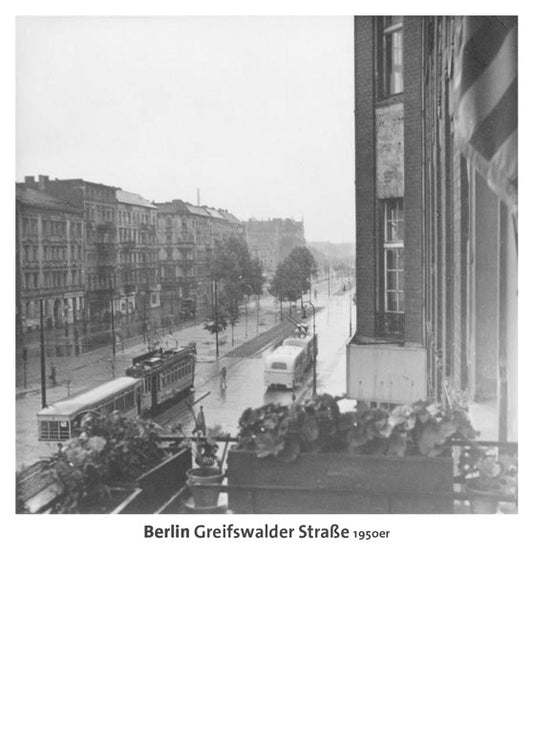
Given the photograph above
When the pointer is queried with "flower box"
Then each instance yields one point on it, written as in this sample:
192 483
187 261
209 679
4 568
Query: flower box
159 484
337 483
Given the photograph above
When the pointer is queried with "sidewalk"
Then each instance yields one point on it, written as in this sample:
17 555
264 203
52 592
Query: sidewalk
78 372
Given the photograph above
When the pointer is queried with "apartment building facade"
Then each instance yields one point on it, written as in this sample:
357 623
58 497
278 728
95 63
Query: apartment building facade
50 259
136 285
188 235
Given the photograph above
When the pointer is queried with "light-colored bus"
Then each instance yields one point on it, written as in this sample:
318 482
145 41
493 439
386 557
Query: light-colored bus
306 343
60 421
285 367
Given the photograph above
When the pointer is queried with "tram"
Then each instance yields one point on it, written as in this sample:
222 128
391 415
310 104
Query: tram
61 421
285 367
166 374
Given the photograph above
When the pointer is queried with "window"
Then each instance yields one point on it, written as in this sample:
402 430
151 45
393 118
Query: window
391 55
393 215
393 271
394 280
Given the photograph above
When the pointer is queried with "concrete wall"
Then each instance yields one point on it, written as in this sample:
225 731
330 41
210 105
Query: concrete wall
389 150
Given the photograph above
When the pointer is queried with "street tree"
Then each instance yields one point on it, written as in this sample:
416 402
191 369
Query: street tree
235 274
306 267
293 275
234 268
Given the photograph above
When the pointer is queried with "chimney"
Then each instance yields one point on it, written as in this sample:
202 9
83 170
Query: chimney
43 182
29 180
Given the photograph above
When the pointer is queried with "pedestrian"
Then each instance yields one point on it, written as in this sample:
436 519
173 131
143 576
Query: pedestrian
53 379
199 426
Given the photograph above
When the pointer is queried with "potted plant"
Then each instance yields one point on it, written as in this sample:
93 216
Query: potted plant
114 458
489 480
313 458
205 479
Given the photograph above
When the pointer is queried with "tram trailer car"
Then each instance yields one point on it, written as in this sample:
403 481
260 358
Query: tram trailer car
61 421
284 367
166 374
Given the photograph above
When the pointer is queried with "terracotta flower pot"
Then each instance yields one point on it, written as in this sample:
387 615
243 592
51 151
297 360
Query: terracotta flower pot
204 483
482 501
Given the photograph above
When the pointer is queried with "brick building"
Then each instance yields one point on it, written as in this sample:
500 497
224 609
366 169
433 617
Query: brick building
435 245
50 258
271 240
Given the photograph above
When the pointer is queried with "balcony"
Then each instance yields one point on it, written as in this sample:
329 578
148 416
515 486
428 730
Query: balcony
389 372
185 261
390 325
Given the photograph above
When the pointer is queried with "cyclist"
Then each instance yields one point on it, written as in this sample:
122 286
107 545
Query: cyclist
223 373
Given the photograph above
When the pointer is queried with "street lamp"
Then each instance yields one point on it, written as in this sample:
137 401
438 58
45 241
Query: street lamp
215 301
248 287
304 316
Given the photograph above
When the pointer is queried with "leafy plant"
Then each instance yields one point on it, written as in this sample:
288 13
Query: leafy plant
204 448
482 470
110 450
318 425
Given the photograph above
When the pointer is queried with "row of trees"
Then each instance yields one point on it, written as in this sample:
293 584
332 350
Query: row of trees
236 275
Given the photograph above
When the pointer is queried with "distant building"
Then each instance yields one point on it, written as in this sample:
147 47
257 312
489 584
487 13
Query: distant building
50 257
271 240
187 237
435 243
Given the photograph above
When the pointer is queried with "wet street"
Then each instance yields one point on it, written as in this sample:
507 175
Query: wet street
245 376
244 364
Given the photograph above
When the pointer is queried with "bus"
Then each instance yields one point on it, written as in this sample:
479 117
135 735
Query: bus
285 367
61 421
306 342
166 374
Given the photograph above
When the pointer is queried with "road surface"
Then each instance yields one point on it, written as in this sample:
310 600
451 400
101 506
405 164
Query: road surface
245 386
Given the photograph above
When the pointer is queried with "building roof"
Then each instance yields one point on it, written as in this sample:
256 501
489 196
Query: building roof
200 211
230 217
134 199
214 212
41 200
87 398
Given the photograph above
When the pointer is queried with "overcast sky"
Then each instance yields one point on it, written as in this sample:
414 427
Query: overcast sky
256 112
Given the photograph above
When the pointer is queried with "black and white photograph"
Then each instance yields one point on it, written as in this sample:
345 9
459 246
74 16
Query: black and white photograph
263 493
269 265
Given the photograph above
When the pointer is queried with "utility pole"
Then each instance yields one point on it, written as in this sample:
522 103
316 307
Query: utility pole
350 283
112 317
314 346
43 363
216 317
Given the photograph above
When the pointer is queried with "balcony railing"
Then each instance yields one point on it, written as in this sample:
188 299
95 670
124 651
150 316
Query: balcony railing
390 325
